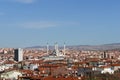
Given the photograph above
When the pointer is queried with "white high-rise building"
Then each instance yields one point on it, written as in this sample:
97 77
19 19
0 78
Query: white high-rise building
18 54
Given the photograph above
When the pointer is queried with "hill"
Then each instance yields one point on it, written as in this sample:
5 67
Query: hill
87 47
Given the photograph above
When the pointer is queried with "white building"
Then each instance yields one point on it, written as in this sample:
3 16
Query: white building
107 69
116 67
56 54
12 75
33 66
18 54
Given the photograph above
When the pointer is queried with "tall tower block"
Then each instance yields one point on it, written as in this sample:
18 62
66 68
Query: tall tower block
18 54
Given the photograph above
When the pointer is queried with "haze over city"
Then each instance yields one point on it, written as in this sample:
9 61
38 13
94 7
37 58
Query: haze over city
25 23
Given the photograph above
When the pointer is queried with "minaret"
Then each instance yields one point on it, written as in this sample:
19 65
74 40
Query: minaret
56 46
64 48
47 48
56 49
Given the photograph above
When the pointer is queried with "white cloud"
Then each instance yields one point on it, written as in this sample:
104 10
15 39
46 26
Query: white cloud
37 25
47 24
25 1
22 1
44 24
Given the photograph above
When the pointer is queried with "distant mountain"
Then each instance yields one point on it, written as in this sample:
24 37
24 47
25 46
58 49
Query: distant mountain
87 47
116 44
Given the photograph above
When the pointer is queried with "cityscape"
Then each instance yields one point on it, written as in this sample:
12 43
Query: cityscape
59 40
60 63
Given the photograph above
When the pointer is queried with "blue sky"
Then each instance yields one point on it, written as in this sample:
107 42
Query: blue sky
26 23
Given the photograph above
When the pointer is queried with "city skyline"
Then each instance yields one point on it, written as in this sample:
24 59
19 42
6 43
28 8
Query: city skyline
25 23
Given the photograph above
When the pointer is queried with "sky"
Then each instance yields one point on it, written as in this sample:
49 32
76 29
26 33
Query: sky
25 23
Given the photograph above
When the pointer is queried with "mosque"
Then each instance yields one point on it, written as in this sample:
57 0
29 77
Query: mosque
55 55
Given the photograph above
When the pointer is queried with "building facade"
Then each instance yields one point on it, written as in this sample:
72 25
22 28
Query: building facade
18 54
